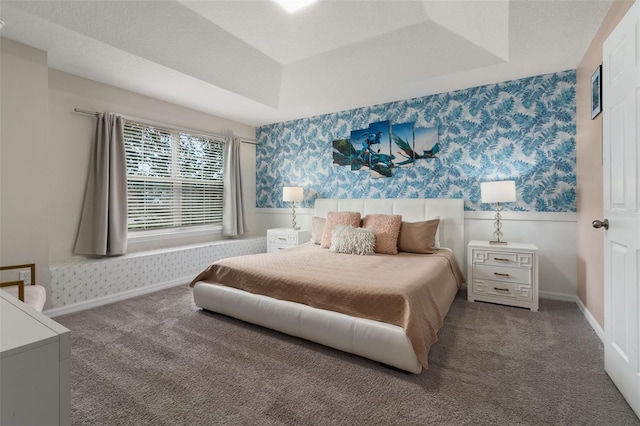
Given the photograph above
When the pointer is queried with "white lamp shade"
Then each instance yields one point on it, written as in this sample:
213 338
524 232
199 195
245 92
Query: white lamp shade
498 192
292 193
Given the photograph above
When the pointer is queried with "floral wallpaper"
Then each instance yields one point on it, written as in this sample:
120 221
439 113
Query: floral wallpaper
522 130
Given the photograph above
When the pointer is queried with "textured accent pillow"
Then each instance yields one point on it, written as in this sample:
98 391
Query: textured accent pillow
418 237
387 229
317 226
334 219
350 240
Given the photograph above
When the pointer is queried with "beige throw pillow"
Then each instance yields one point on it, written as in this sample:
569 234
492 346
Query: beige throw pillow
334 219
386 228
418 237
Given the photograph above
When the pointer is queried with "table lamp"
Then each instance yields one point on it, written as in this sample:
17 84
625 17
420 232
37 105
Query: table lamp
293 194
498 192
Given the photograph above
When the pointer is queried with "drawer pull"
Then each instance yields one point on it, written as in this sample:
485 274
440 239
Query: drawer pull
282 238
500 275
501 259
501 289
281 248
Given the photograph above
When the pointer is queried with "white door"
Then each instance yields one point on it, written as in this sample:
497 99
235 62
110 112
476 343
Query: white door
621 137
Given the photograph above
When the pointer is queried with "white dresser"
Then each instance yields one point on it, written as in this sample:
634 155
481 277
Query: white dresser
505 274
35 381
284 238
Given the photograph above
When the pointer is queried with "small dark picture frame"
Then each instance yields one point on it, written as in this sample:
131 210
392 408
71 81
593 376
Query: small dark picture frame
596 92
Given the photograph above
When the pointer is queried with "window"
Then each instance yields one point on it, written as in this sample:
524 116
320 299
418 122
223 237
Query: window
174 179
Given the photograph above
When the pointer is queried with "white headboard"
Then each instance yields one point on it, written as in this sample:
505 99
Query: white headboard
450 211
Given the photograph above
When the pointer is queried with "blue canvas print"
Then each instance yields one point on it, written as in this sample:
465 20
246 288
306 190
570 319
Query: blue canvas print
426 142
402 144
379 142
360 149
342 152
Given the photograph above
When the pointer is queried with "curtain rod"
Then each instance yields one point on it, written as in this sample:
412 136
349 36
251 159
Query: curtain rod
84 111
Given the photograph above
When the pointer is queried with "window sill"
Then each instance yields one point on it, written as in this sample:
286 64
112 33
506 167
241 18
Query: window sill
174 234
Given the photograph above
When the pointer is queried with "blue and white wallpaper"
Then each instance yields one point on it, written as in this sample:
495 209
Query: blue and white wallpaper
522 130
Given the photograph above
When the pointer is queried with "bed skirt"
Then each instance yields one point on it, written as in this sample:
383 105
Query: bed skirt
378 341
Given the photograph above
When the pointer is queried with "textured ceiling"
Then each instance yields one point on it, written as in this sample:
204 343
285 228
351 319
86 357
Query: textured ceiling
253 62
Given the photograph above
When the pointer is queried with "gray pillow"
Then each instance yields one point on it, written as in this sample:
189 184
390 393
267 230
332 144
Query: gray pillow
317 229
419 237
350 240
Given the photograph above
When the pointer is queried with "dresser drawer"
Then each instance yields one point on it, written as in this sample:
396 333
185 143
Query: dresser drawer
501 258
504 290
502 274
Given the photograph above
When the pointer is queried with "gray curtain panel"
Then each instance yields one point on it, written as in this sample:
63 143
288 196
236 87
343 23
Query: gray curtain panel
103 225
233 223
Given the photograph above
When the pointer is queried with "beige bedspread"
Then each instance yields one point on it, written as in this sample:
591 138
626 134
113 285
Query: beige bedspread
413 291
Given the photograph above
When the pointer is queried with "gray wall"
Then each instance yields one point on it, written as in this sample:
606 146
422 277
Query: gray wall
45 148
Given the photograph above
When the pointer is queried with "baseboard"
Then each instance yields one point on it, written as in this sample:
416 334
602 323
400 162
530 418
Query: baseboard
591 319
111 298
557 296
568 298
105 300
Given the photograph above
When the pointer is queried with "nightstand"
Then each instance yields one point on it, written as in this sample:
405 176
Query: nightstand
284 238
505 274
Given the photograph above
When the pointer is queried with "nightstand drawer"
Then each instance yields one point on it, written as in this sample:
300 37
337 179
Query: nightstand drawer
501 258
505 274
283 238
497 273
503 289
280 246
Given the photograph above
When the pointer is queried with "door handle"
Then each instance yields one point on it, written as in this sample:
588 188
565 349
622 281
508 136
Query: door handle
600 224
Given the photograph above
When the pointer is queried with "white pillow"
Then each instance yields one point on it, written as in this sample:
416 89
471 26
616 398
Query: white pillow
350 240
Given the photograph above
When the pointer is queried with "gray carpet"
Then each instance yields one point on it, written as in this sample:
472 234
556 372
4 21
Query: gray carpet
159 360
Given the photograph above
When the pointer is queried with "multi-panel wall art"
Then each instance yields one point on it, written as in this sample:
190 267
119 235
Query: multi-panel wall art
383 146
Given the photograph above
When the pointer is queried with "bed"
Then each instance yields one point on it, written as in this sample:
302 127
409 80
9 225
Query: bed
287 291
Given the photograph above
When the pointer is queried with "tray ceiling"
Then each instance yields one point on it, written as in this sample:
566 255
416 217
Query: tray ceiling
253 62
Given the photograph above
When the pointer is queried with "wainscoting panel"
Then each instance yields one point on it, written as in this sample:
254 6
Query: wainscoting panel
81 283
553 233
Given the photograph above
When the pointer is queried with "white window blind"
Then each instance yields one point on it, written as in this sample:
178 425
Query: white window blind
174 179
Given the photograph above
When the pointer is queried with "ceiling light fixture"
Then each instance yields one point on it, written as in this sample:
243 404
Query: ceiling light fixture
294 5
